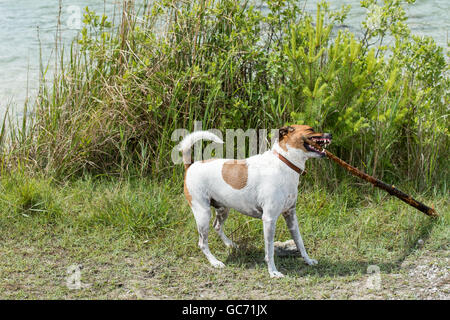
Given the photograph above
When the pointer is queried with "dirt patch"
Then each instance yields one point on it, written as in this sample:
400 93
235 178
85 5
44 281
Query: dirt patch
115 268
424 277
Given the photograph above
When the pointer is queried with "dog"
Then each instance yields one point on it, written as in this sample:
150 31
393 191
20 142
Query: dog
262 186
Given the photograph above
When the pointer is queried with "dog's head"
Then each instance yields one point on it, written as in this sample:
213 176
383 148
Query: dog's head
292 137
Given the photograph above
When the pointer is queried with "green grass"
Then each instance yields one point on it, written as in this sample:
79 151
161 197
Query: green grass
137 238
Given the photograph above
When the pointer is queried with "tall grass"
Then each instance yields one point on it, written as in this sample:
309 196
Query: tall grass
120 91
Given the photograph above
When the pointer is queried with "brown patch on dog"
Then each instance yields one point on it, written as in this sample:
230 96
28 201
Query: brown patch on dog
186 191
235 173
294 136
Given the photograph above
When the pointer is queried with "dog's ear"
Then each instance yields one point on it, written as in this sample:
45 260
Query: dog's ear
284 131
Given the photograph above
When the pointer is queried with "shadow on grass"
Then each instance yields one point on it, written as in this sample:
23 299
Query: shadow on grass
294 265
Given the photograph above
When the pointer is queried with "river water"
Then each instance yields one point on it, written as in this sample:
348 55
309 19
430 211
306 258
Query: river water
27 25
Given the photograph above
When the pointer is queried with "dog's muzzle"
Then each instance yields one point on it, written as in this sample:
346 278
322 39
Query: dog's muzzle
323 141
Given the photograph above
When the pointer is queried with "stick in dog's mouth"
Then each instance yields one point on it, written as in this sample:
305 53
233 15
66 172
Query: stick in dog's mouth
313 143
319 141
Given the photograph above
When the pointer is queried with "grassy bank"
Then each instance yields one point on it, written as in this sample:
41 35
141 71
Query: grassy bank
121 90
137 239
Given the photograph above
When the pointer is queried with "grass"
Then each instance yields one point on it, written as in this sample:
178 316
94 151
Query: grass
136 238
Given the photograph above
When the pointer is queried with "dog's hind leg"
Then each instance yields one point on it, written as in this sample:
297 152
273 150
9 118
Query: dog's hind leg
221 216
202 214
292 224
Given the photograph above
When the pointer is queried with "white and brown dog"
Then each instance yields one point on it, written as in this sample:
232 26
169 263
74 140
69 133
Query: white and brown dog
262 186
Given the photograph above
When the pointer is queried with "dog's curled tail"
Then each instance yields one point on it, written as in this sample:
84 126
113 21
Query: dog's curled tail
186 144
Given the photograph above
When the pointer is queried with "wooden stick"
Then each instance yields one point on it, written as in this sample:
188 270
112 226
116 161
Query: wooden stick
377 183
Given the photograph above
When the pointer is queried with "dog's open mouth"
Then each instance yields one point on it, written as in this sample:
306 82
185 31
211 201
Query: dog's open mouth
321 141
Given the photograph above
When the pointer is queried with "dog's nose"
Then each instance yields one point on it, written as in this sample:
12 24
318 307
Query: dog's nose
328 136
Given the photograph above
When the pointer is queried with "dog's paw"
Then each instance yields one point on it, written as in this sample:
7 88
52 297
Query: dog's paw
311 262
276 274
218 264
231 245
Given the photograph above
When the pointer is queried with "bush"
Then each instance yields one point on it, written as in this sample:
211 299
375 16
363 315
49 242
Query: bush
123 90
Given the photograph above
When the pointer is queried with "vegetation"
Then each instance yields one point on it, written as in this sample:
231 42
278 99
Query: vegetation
120 91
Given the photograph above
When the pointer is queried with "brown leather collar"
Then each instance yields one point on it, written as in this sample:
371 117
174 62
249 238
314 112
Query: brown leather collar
290 164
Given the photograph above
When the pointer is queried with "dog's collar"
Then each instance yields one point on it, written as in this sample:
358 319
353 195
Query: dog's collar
290 164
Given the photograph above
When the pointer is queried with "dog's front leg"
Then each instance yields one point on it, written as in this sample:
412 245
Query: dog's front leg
292 224
269 223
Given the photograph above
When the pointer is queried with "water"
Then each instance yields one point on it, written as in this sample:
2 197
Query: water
25 27
20 21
